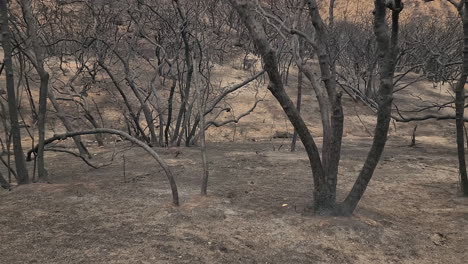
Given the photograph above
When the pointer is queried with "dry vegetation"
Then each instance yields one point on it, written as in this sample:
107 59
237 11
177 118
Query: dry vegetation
259 207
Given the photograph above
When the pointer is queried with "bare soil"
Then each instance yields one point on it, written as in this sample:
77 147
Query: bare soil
256 211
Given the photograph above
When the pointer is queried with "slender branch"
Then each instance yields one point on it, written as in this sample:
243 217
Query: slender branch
162 163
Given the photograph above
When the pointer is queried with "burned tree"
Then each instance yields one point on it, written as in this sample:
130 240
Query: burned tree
22 172
325 166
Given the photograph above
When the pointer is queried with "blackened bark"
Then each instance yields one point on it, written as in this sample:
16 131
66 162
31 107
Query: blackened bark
257 33
298 106
38 63
333 131
42 117
169 111
201 114
20 163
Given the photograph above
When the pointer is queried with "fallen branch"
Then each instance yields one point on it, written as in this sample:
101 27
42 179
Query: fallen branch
170 177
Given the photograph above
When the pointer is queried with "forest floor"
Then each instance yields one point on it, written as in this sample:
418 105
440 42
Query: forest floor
256 210
259 194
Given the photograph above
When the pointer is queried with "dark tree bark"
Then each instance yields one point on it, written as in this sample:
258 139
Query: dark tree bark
298 106
201 114
3 183
325 168
38 57
460 103
245 10
387 50
20 163
67 124
332 138
185 95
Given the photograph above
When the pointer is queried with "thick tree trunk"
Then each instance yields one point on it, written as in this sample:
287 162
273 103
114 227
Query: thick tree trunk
20 163
245 10
325 172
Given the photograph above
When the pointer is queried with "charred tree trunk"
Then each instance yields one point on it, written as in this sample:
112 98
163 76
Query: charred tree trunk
37 59
169 111
325 168
20 163
298 106
257 33
201 113
42 117
387 50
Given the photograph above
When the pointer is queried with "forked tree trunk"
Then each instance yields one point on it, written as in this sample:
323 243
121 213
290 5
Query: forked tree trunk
257 33
37 59
21 170
324 173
